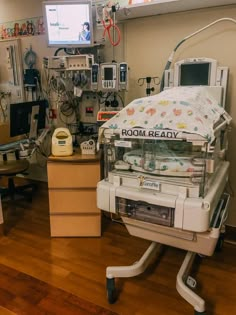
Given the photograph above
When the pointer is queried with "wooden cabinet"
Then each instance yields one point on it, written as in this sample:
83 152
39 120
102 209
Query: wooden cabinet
72 183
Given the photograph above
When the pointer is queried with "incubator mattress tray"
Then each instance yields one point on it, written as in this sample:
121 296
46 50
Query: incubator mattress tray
164 163
164 184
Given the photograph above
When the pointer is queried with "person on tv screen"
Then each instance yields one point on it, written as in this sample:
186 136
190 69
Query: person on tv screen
85 33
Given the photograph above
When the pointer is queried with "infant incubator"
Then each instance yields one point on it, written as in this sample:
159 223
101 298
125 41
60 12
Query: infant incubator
165 170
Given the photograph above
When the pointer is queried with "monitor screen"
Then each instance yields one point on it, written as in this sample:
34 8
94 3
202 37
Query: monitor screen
195 74
108 73
21 116
68 23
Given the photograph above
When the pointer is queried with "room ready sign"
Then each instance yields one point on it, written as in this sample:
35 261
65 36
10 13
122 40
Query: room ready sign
150 134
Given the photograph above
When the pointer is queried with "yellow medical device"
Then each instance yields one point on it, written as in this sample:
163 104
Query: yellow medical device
62 142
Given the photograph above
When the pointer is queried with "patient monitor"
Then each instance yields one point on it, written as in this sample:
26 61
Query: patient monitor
200 72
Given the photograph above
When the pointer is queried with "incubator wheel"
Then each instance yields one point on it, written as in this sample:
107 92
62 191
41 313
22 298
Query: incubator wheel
111 290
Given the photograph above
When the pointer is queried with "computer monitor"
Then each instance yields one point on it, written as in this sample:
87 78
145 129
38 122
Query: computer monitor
27 118
199 72
68 23
195 71
194 74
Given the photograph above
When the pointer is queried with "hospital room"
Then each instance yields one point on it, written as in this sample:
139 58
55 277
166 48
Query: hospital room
117 157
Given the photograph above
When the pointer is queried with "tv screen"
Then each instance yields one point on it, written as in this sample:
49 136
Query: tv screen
68 23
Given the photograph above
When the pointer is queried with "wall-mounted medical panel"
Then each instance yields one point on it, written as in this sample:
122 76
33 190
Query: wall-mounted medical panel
11 70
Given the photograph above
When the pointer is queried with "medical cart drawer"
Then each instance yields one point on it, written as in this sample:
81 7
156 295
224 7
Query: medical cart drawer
69 175
73 201
75 225
72 196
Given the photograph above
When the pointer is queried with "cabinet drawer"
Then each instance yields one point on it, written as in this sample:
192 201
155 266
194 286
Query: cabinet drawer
73 201
66 175
75 225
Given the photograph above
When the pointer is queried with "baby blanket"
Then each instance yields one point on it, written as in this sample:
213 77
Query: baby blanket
186 109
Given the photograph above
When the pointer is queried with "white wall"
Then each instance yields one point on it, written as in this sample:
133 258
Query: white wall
149 42
11 10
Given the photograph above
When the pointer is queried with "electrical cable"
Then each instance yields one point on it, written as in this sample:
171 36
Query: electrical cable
57 85
103 98
68 51
59 49
72 51
69 110
121 99
171 57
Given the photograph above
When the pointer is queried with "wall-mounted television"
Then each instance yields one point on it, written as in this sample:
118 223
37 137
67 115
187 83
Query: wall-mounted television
68 23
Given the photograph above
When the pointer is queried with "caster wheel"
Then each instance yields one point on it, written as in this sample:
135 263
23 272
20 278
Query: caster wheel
199 313
111 291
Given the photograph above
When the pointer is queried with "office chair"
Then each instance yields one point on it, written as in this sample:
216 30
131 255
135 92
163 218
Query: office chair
9 169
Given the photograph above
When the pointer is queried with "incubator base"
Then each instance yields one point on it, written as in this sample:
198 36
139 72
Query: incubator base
202 243
139 267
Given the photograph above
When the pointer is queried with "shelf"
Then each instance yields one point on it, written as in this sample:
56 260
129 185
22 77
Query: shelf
166 6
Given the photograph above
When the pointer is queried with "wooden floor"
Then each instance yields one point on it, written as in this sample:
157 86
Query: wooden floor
78 266
23 294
